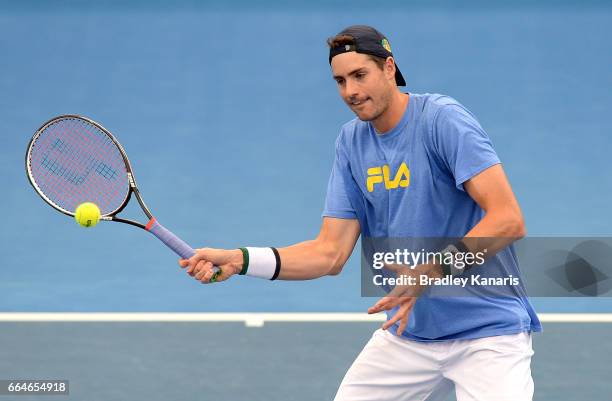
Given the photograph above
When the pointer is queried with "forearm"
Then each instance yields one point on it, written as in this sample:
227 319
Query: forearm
310 259
503 221
495 231
325 255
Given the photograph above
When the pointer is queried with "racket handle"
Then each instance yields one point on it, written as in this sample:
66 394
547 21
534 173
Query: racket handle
173 242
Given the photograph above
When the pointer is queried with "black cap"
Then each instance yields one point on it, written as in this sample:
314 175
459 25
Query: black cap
367 41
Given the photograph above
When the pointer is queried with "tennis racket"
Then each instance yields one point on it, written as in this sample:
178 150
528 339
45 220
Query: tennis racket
72 159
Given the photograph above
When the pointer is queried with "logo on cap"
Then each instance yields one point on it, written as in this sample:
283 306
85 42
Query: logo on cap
386 45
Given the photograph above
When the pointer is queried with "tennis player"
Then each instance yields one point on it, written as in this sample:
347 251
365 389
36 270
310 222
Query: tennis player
410 165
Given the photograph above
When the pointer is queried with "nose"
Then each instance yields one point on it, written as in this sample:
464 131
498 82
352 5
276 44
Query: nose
350 89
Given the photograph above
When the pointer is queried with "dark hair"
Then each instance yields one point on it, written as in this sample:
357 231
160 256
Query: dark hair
343 40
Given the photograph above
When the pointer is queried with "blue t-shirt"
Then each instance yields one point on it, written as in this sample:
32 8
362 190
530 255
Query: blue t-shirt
408 182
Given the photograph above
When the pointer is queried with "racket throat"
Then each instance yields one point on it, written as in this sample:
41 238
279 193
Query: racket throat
150 224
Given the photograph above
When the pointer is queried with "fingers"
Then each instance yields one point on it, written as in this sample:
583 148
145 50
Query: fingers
402 316
405 313
192 262
392 321
202 269
378 306
205 272
385 303
198 269
209 265
403 323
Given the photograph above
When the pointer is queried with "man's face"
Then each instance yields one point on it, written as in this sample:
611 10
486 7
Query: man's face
363 86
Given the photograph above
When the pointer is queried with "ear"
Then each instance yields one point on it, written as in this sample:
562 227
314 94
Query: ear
390 68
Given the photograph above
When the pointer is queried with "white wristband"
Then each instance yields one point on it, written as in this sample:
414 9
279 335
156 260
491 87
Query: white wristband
262 262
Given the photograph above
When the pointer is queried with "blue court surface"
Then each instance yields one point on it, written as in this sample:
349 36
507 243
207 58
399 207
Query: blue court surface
229 115
279 361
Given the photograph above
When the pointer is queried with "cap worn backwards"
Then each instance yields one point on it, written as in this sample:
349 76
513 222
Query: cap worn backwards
367 40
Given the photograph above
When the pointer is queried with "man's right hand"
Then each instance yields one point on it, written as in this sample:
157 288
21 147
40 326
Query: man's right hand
200 265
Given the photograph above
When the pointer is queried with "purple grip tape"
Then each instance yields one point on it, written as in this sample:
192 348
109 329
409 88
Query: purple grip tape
173 242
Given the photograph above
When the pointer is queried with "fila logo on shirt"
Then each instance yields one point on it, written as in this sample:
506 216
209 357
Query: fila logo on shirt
382 174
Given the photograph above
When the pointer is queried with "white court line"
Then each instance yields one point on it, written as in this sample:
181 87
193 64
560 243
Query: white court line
252 319
249 319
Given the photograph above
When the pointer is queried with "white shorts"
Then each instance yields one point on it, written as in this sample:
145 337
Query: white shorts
483 369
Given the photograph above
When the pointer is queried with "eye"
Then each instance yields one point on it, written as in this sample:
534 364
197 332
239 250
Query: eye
360 75
340 81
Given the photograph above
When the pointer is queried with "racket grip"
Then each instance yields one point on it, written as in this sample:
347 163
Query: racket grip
173 242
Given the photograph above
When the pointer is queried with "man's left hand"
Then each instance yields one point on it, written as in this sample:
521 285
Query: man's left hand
403 296
403 313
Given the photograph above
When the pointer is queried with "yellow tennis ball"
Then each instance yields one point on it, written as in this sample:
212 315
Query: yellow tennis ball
87 214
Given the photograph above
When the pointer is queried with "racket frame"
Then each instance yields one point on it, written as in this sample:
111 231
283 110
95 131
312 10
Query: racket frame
132 187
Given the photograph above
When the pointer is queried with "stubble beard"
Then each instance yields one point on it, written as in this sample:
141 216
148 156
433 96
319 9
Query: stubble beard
383 105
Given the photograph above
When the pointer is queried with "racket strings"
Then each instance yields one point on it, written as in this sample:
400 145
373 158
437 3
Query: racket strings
72 161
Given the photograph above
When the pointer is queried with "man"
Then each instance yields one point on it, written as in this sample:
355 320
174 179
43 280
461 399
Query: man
450 184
